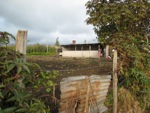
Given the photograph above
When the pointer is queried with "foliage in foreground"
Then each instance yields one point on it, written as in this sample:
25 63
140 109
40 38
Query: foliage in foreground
124 25
23 87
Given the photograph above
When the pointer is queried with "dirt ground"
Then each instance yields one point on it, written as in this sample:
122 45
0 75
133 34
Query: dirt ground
73 66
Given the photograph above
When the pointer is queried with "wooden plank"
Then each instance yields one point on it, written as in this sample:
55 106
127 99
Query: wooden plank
115 80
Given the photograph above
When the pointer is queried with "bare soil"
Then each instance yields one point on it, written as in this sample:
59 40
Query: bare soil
73 66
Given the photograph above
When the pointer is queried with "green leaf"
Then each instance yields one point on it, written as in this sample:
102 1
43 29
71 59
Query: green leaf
10 35
36 65
1 86
8 110
50 83
19 69
48 90
1 95
11 99
22 110
26 68
10 67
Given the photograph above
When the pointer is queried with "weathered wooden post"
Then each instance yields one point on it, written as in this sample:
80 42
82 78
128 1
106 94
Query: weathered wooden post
107 51
115 80
87 96
21 43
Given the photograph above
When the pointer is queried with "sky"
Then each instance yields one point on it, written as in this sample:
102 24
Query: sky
46 20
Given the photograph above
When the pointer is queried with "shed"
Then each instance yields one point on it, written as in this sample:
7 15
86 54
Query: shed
82 50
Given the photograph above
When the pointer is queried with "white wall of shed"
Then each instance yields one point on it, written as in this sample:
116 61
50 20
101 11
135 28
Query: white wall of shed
86 54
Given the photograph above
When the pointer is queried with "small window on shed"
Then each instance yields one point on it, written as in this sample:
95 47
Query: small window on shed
78 48
72 48
86 47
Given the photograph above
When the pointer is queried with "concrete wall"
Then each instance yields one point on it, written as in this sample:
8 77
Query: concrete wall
87 54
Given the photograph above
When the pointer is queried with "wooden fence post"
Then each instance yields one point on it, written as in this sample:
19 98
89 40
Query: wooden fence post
21 43
115 80
107 51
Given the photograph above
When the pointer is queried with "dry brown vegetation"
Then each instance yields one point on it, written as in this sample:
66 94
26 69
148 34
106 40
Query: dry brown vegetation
127 102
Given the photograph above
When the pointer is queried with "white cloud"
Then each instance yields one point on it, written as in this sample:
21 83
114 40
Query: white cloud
46 19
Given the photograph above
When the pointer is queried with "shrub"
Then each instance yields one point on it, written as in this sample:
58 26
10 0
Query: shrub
22 84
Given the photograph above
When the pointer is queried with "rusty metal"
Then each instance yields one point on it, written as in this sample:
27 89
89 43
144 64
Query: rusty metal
84 94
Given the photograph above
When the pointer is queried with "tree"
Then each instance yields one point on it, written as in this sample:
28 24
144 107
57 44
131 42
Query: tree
118 16
123 24
57 42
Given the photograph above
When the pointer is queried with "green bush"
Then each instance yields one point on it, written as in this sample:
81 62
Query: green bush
124 24
22 84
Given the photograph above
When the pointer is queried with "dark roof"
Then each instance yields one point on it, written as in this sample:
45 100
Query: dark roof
82 44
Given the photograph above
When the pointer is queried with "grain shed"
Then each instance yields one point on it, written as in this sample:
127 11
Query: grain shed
82 50
84 94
